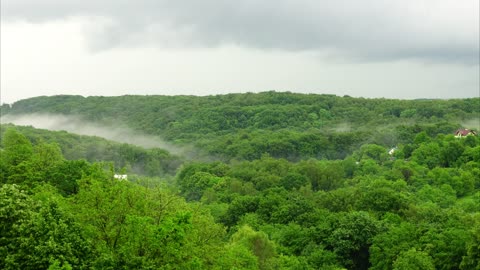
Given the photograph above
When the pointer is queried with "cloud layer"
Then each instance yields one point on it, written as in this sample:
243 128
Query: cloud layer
370 30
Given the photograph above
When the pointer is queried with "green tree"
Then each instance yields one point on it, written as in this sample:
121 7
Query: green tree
37 235
258 243
386 246
65 175
352 238
17 150
427 154
413 260
237 256
373 151
193 186
16 147
472 259
46 156
451 151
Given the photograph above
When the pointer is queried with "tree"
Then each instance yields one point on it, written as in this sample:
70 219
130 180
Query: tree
386 246
258 243
293 181
323 175
381 198
193 186
65 175
239 207
427 154
15 206
236 256
58 240
16 147
373 151
45 156
472 259
451 151
413 260
352 239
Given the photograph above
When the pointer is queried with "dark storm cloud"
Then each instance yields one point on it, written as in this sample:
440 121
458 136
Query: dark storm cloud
370 30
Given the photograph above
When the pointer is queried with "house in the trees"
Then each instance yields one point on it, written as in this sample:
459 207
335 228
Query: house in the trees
465 132
120 176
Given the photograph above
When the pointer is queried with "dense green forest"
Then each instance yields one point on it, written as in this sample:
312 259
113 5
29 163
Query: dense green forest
293 182
284 125
135 159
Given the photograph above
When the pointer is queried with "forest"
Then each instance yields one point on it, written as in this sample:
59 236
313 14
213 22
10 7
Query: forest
272 180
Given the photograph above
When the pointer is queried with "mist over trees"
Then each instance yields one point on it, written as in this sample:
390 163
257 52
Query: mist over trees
277 181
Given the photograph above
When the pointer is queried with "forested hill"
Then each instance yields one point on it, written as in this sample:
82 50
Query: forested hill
304 182
283 125
132 158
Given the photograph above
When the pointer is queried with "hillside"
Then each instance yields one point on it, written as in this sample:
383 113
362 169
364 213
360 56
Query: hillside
284 125
135 159
280 181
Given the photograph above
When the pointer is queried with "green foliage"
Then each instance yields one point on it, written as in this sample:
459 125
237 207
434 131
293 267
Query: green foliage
472 259
16 147
413 260
256 242
285 125
275 181
151 162
352 238
56 241
386 246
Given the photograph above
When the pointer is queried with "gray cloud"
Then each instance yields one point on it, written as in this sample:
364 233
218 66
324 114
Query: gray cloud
370 30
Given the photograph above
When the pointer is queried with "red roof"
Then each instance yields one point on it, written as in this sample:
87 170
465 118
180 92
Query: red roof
464 132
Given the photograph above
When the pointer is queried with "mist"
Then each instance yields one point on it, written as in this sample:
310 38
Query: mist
78 126
342 127
472 124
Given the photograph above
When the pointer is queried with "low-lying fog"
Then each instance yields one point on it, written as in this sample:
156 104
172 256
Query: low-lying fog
78 126
472 124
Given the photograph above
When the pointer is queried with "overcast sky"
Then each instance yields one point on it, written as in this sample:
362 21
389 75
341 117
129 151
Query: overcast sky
370 48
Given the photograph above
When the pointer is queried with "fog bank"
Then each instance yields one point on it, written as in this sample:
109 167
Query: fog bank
78 126
472 124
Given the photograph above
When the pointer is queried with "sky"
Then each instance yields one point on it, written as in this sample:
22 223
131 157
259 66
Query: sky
372 48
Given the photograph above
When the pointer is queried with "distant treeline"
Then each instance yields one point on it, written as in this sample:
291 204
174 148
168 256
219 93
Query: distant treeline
283 125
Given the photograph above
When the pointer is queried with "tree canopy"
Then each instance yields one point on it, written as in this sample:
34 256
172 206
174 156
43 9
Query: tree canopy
276 181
